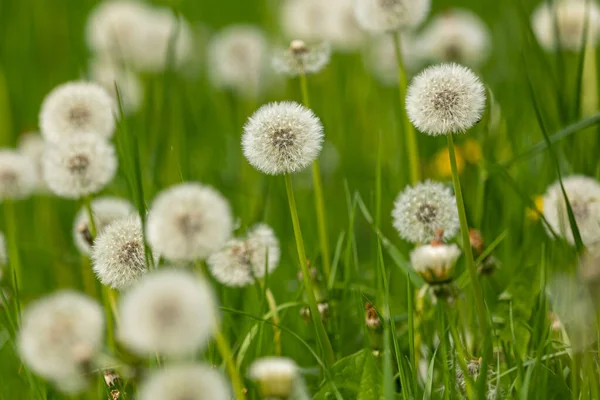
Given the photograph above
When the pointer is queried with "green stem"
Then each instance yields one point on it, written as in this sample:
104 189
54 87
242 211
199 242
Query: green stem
411 330
412 147
14 259
444 348
227 355
87 202
275 317
308 287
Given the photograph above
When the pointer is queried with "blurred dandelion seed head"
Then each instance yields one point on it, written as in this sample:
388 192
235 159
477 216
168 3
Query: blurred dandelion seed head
108 74
18 175
380 16
276 376
32 145
301 58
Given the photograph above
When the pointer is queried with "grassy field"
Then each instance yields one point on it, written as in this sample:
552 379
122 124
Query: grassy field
186 129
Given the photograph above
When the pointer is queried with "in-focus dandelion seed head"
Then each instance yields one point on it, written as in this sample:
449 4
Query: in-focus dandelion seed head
435 262
379 16
301 58
18 175
276 376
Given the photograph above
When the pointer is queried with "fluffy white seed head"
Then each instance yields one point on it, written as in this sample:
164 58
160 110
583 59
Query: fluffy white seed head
118 256
584 197
105 210
238 59
379 16
421 210
281 138
60 333
242 260
445 99
187 381
32 146
435 262
170 312
276 376
301 58
562 24
17 175
79 165
381 60
77 107
108 73
457 36
189 222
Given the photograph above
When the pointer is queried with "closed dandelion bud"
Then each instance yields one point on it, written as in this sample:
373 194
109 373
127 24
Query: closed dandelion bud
60 335
187 381
74 108
189 222
301 58
445 99
281 138
118 255
79 165
322 307
435 262
17 175
422 210
32 146
108 74
275 376
170 312
372 317
379 16
243 260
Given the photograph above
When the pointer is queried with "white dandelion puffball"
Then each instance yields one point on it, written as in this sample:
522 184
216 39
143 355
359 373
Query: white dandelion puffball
105 211
79 165
284 137
32 145
421 210
584 197
445 99
457 36
17 175
381 61
243 260
108 74
170 312
379 16
238 59
77 107
118 255
435 262
187 381
60 333
276 376
301 58
568 20
188 222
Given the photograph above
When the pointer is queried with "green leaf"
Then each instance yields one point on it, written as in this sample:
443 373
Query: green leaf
370 388
348 376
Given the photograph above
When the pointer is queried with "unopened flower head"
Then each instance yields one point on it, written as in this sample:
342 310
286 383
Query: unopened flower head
105 210
457 36
584 197
242 260
109 74
302 58
79 165
281 138
435 262
32 146
381 58
422 210
188 222
60 334
170 312
445 99
276 376
561 24
238 59
380 16
77 107
118 255
187 381
17 175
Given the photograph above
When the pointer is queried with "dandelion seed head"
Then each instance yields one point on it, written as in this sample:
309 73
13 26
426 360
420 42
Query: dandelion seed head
60 333
170 312
435 263
423 209
301 58
79 165
379 16
276 376
445 99
108 73
243 260
189 222
183 382
17 175
281 138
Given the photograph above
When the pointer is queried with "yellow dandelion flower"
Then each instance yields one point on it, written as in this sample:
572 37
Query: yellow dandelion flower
471 150
441 163
534 214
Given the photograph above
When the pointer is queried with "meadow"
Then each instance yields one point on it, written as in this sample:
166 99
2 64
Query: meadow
513 314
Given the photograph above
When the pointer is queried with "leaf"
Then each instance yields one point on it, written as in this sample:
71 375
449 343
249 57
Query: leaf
370 388
429 383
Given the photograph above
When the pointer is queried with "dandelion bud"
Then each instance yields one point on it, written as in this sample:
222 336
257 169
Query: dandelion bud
445 99
379 16
372 317
281 138
301 58
435 262
276 376
17 175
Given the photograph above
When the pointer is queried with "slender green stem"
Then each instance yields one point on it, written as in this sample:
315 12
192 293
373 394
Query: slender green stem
411 329
304 90
275 317
412 147
444 348
14 258
308 287
227 355
87 202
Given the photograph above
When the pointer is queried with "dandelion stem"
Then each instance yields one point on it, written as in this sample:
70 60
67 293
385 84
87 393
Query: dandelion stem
87 202
308 287
227 355
412 147
14 259
275 317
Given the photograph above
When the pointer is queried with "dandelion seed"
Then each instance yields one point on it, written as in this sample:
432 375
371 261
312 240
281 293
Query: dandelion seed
108 74
276 376
79 165
379 16
281 138
189 222
77 107
17 175
60 335
170 312
382 62
301 58
445 99
423 209
435 262
188 381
